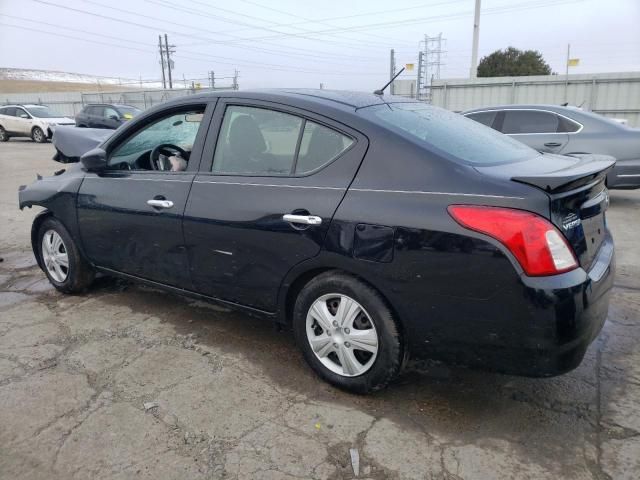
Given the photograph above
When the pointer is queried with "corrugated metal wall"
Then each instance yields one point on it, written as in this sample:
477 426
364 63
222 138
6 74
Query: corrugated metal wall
614 95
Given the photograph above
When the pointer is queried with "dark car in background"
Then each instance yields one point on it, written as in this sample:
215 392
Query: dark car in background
376 227
569 131
105 115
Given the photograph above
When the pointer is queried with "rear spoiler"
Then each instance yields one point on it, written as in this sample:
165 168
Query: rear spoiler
592 168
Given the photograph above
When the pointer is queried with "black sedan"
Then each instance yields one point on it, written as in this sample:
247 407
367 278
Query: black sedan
111 116
374 226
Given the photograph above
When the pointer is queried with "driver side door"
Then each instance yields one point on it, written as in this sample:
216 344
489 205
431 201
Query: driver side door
130 215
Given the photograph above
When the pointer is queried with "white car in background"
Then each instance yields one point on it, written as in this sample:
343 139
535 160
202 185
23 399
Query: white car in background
35 121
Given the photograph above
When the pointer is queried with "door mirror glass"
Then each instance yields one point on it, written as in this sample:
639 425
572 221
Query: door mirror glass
94 160
114 117
24 115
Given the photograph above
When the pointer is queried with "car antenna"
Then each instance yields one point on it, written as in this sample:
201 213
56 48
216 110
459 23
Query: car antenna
381 91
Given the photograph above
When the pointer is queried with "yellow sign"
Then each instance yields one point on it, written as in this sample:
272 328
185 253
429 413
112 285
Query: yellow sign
408 67
198 86
573 62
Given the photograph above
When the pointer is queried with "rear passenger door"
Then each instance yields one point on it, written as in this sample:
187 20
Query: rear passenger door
23 122
95 117
540 129
271 179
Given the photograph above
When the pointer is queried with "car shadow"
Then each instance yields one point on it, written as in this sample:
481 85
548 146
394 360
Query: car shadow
428 396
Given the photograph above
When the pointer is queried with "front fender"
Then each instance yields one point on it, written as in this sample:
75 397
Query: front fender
57 194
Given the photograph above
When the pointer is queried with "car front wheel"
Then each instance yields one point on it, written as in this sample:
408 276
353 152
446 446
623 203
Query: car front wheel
4 136
61 260
347 333
38 136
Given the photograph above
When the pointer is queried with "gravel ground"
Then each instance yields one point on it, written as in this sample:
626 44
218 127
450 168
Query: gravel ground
129 382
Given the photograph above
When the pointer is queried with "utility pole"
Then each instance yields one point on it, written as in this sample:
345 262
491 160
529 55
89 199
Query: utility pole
168 53
476 37
392 70
164 81
212 80
566 77
235 80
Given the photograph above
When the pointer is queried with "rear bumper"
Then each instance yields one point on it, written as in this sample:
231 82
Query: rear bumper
624 175
537 327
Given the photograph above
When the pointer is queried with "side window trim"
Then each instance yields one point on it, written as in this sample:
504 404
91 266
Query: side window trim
215 129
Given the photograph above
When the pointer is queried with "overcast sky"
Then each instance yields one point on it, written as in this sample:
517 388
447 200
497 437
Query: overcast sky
289 43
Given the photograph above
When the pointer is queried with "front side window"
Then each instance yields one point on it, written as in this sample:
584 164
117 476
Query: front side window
529 121
110 113
455 136
21 113
165 144
263 142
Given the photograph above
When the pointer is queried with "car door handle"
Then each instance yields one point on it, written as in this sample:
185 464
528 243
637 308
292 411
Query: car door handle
302 219
552 144
160 203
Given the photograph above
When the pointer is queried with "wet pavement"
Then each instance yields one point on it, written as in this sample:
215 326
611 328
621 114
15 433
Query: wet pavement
130 382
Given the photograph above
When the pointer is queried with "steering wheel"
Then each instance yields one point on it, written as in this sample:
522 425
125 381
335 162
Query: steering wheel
167 149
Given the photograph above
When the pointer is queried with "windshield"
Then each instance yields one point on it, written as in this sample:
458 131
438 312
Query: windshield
44 112
458 138
128 111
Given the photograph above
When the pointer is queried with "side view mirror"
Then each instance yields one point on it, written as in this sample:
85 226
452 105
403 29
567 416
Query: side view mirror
114 117
94 160
24 115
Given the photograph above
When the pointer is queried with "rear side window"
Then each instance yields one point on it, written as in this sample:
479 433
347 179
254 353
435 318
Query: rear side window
567 126
319 146
450 134
263 142
485 118
529 121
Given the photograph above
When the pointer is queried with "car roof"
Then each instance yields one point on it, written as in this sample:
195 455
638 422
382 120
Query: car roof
109 105
330 98
25 105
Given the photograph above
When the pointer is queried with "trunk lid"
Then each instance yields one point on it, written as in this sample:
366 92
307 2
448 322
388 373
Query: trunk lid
577 195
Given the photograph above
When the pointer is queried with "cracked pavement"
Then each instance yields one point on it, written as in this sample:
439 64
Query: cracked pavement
233 399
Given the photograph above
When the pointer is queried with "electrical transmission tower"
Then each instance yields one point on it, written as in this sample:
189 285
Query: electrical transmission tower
429 63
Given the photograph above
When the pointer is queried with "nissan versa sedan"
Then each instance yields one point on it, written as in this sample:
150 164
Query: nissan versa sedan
376 227
569 131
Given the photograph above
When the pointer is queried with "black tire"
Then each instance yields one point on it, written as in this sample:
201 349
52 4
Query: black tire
390 356
79 275
4 136
38 136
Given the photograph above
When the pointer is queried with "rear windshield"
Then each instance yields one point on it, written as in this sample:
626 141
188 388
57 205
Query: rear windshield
458 138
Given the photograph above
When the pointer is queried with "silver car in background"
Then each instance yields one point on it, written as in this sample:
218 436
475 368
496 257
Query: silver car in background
569 131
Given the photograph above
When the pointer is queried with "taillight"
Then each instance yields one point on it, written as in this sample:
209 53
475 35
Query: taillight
537 245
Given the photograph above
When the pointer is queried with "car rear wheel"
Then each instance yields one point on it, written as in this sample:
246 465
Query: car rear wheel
347 333
61 260
38 136
4 136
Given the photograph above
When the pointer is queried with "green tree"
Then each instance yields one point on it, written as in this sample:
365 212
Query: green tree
512 62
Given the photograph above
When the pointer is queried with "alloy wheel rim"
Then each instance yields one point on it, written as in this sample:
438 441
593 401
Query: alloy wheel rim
37 134
3 134
55 256
342 335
